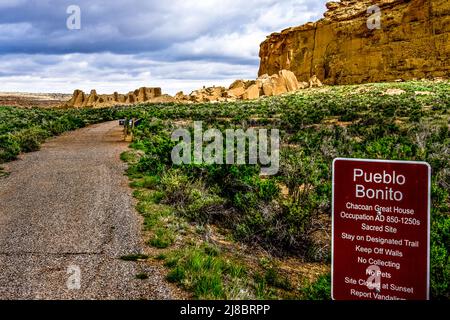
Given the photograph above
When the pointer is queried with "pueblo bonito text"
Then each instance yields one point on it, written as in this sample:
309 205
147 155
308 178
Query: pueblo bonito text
385 178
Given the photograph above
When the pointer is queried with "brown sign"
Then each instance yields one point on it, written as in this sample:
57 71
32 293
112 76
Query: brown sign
381 228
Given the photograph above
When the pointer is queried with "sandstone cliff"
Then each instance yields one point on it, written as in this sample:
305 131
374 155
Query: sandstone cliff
413 41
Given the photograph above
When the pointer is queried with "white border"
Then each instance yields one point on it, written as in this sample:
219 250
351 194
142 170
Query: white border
428 213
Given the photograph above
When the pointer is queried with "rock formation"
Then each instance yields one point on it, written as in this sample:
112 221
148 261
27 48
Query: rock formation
346 47
276 84
94 100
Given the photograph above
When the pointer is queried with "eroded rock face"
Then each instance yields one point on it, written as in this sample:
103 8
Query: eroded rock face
94 100
413 42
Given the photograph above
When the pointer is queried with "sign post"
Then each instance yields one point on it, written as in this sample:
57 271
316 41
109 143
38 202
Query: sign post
381 230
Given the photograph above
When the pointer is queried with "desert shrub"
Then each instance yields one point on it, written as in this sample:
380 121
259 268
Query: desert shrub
230 179
176 187
157 153
203 208
30 127
273 277
391 147
9 147
405 127
31 139
267 190
319 289
205 273
151 182
440 243
162 238
303 175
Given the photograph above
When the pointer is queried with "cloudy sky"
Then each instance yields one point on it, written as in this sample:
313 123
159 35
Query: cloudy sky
123 45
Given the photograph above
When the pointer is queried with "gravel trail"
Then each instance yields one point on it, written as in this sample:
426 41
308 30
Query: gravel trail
68 208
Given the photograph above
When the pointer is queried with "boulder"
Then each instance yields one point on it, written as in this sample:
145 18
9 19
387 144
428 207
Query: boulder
180 96
303 85
314 82
237 84
279 85
251 93
290 80
267 87
211 94
236 92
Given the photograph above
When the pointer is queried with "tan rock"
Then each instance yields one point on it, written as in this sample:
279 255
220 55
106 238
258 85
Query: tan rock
278 84
332 5
290 80
180 96
78 98
131 98
237 84
165 98
303 85
236 92
267 87
251 93
211 94
140 95
314 82
93 100
413 42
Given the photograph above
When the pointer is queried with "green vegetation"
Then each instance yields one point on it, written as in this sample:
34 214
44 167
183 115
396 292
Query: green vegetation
23 130
317 126
318 290
287 215
208 275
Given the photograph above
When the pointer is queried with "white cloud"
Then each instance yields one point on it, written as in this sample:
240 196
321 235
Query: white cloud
109 72
179 45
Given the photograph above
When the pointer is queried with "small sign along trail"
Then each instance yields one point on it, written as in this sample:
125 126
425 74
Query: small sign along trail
381 230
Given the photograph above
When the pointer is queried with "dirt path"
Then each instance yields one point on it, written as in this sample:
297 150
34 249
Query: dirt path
66 207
